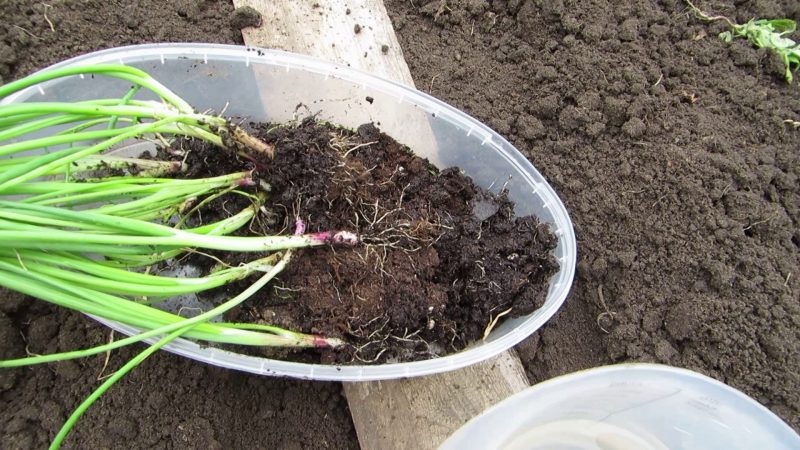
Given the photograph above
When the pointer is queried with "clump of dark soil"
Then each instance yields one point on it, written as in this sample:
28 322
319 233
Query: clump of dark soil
439 259
245 17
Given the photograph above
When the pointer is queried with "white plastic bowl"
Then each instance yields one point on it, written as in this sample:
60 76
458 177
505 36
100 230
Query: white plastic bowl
627 407
274 86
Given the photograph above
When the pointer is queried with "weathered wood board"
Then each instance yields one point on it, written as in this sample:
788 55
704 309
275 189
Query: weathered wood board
327 29
420 413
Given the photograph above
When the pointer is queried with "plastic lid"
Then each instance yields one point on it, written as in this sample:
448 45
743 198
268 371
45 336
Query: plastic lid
628 406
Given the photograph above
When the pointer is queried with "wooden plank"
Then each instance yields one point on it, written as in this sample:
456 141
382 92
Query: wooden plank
327 29
418 413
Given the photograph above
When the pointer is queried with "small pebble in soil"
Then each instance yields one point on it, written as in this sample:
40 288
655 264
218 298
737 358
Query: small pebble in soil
245 17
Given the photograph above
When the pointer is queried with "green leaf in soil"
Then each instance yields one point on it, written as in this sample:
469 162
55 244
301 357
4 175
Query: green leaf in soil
762 33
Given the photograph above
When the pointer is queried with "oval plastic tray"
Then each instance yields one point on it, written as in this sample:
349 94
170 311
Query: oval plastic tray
275 86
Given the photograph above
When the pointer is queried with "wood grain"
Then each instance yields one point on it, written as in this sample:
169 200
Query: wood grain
418 413
328 31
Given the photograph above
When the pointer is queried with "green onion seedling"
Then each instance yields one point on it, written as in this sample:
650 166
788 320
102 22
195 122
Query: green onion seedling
74 235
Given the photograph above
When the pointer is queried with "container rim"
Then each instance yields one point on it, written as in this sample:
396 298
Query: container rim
618 372
471 355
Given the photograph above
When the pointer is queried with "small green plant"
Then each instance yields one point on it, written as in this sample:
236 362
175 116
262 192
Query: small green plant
763 33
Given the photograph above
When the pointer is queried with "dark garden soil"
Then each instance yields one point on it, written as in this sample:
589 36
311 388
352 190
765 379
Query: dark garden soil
668 146
669 149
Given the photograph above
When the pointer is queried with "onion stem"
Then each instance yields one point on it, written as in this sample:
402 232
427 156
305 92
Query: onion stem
75 239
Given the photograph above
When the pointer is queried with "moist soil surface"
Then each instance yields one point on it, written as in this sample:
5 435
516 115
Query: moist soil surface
670 149
667 145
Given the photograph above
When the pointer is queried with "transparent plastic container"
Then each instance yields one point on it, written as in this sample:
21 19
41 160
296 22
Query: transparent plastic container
274 86
627 407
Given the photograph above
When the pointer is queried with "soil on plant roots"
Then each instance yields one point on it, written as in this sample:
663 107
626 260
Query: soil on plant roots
439 257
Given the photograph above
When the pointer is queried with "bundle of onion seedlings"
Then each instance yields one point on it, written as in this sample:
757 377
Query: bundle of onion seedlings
73 234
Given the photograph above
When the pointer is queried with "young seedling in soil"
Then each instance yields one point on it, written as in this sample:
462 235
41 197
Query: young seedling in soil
762 33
